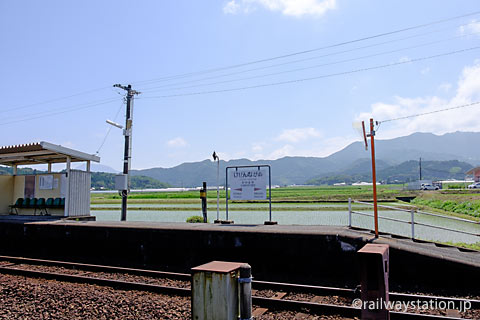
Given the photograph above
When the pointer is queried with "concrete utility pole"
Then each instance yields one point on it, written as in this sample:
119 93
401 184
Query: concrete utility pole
420 164
127 132
216 157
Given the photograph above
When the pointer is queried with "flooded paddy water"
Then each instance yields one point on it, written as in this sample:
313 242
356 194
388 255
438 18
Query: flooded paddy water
332 214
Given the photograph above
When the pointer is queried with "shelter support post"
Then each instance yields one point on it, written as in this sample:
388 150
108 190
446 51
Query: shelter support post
67 189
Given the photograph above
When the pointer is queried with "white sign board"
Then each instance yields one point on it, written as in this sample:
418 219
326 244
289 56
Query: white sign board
248 183
45 182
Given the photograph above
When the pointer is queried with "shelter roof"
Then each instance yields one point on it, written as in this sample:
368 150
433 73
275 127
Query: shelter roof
473 171
41 152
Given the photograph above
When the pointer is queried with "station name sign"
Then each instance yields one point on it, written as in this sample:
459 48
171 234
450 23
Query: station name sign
248 184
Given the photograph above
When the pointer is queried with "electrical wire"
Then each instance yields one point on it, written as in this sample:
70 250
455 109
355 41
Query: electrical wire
310 50
53 100
109 129
314 66
431 112
313 78
83 106
148 89
255 61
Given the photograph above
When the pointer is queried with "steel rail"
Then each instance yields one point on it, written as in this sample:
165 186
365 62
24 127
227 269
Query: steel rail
338 309
257 284
97 267
98 281
258 301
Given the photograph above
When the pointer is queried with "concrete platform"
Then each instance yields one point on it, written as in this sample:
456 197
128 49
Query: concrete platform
303 254
430 249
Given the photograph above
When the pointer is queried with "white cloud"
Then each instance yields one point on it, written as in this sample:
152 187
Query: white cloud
286 150
463 119
177 142
299 134
231 7
425 71
258 147
404 59
296 8
472 27
445 87
68 144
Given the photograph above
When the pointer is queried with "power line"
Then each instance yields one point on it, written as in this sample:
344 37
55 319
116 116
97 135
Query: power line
255 61
178 76
316 77
148 89
53 100
109 129
60 112
315 66
431 112
310 50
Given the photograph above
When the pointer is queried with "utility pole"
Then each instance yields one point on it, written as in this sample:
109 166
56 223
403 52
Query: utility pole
216 157
374 177
420 164
127 132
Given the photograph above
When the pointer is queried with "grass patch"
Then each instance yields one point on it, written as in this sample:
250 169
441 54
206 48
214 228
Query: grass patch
470 207
473 246
195 219
314 194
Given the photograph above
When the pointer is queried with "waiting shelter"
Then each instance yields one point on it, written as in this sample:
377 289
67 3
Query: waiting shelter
64 194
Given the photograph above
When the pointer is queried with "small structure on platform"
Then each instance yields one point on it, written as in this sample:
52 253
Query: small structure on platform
62 194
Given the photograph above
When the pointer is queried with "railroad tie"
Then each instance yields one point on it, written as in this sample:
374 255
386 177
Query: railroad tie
257 312
316 299
453 313
279 295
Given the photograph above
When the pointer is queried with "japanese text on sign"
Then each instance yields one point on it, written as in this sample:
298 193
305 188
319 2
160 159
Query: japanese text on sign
248 184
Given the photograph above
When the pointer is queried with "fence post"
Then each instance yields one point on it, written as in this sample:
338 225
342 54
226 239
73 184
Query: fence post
349 212
245 292
412 214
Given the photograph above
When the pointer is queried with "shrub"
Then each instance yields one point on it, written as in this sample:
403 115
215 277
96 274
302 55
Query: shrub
195 219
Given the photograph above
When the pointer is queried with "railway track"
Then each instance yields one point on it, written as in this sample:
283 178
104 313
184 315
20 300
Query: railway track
267 296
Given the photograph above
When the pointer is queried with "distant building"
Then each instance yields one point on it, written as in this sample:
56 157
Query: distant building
475 172
417 185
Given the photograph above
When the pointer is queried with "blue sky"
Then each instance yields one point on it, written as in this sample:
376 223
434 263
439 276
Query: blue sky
77 50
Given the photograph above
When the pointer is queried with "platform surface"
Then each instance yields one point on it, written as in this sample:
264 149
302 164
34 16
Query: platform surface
449 253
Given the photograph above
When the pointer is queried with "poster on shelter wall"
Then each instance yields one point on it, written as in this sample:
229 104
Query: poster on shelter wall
248 183
45 182
63 186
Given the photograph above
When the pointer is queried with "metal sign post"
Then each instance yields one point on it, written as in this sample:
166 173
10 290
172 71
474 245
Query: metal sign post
249 184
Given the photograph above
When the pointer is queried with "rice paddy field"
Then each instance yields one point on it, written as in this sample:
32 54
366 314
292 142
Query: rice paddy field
309 206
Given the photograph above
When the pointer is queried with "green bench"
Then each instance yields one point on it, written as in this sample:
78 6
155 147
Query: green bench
37 204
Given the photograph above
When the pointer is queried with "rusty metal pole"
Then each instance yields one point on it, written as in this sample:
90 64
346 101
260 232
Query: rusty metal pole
374 178
245 284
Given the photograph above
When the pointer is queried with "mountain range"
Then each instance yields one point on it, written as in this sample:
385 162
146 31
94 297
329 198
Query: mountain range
352 161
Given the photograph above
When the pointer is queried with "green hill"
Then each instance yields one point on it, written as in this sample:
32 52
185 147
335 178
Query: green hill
405 172
103 180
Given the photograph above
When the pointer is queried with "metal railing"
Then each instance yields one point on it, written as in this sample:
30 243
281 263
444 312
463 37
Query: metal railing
412 218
